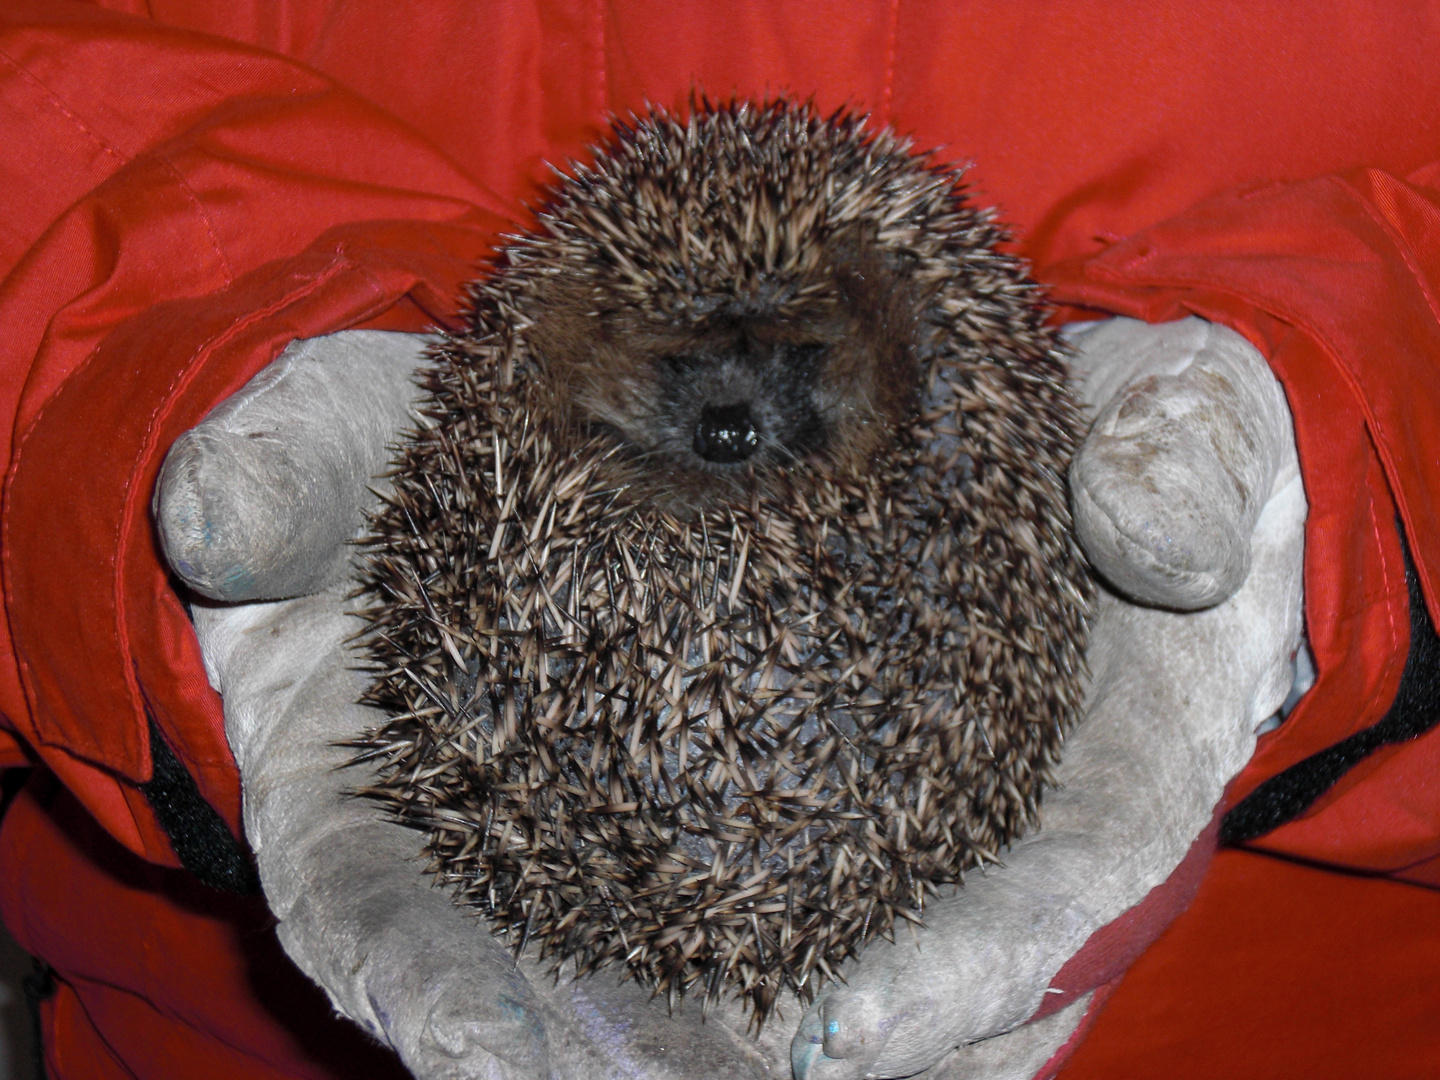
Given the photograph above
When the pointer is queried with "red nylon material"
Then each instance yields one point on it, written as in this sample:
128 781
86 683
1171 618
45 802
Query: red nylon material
190 185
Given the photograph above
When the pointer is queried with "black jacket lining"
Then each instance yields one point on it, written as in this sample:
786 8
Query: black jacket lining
37 987
1414 711
200 837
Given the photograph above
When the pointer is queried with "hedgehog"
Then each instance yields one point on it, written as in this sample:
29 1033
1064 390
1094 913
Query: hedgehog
726 604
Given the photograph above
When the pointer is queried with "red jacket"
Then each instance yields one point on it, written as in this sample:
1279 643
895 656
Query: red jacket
189 187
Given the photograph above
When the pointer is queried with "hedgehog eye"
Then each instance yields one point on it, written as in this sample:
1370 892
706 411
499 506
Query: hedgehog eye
805 358
680 364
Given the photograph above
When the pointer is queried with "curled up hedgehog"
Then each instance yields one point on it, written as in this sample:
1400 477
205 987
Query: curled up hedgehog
727 601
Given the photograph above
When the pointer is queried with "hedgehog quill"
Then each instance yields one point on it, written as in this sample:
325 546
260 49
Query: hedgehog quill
727 602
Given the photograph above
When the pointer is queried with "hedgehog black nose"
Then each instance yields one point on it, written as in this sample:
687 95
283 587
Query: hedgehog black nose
726 433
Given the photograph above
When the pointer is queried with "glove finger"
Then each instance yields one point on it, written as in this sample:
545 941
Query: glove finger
1016 1055
1169 484
839 1038
259 500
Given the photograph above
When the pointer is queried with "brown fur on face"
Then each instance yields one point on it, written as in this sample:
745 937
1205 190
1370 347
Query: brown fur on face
826 368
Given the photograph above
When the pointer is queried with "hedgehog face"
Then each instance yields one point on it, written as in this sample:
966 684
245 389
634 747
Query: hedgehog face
749 387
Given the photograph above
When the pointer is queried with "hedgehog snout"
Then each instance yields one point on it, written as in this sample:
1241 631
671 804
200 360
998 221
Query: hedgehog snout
726 434
737 406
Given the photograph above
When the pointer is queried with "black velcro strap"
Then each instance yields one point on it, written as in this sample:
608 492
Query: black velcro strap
1414 711
200 837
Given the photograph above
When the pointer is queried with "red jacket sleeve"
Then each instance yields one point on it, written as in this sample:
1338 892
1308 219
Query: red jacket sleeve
190 185
1335 280
185 208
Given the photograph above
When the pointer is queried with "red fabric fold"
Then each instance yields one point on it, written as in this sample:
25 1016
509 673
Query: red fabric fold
245 201
189 185
1277 971
1302 269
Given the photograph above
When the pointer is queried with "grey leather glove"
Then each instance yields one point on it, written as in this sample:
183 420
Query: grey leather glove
1187 493
283 466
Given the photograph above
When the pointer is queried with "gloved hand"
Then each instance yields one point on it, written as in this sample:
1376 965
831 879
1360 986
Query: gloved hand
258 501
1173 706
1187 493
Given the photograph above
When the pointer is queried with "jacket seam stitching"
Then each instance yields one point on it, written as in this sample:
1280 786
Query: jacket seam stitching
199 209
182 377
887 100
602 72
59 104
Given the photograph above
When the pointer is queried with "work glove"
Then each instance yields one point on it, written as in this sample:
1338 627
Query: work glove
1189 504
1188 500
